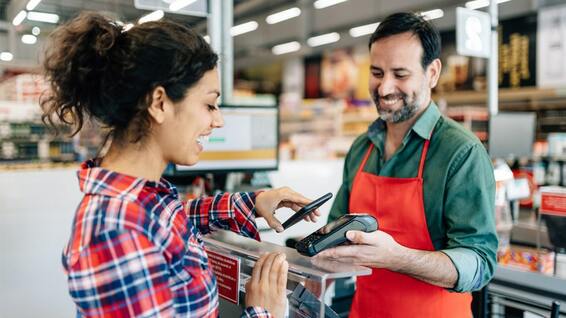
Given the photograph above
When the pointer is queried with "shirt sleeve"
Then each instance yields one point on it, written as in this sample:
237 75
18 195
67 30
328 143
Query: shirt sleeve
228 211
256 312
121 274
342 199
470 218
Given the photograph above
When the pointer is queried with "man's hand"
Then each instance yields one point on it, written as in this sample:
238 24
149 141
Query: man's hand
376 249
379 250
268 201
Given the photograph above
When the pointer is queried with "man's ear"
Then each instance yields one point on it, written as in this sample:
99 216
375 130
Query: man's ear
156 107
433 72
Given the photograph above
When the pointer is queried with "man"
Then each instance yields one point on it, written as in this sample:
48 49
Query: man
427 180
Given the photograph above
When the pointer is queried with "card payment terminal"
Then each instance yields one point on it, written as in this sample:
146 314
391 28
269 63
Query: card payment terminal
334 233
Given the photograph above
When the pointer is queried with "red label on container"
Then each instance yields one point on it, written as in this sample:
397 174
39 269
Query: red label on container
553 204
227 271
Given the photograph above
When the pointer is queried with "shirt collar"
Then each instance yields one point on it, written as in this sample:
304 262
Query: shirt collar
422 127
96 180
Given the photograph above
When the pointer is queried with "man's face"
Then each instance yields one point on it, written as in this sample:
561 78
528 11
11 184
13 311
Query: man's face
398 84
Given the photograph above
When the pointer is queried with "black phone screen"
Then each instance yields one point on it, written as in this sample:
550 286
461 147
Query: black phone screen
306 210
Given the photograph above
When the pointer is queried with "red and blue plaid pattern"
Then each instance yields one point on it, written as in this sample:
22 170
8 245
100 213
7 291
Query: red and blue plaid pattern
136 250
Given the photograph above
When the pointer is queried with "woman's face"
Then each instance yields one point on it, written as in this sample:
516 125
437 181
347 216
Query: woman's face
193 118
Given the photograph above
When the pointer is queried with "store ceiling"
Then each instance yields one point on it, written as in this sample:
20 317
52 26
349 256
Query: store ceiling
254 47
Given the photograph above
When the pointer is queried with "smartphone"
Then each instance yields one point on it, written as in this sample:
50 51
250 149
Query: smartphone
304 211
334 233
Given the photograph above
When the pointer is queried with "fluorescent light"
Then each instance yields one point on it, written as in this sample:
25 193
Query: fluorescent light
207 38
153 16
29 39
323 39
478 4
43 17
6 56
321 4
243 28
35 30
286 48
363 30
19 18
283 15
32 4
432 14
180 4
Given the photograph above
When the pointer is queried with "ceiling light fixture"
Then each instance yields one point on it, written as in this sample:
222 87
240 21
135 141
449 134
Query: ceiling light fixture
432 14
323 39
153 16
32 4
6 56
35 30
19 18
43 17
180 4
243 28
29 39
478 4
283 15
321 4
363 29
285 48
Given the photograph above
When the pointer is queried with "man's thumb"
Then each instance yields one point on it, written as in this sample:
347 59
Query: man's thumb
357 237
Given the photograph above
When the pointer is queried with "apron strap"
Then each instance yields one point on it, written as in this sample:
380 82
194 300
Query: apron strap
423 157
363 164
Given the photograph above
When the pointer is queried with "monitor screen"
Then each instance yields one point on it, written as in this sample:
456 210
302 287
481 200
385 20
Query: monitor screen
249 141
511 135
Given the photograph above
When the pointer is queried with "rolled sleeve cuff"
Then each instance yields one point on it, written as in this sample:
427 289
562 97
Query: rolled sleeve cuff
469 269
256 312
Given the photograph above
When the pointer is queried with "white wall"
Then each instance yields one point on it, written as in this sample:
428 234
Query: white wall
36 211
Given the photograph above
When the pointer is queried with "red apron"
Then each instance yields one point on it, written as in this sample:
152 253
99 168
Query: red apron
398 205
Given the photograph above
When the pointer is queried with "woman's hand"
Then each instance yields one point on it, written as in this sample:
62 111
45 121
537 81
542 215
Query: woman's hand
268 284
268 201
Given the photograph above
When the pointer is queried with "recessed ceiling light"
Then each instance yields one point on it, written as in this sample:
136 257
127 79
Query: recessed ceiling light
29 39
6 56
32 4
243 28
323 39
19 18
286 48
363 29
283 15
432 14
43 17
321 4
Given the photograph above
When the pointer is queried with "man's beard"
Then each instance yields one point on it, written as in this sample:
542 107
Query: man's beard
409 109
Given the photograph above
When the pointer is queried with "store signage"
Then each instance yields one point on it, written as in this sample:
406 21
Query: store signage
227 271
553 201
473 33
197 8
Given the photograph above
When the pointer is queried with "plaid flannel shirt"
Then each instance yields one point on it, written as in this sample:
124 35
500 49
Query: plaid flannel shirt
136 249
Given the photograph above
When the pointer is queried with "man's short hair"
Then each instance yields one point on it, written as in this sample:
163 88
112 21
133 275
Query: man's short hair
402 22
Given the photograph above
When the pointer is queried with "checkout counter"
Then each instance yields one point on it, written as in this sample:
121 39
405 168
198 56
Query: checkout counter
233 257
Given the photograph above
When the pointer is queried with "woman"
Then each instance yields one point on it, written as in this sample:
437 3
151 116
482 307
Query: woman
135 249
